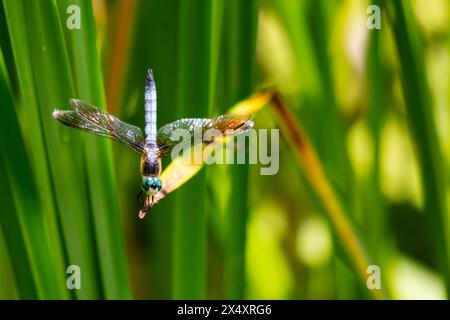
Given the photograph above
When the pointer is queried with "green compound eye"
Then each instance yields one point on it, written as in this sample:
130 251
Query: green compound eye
152 184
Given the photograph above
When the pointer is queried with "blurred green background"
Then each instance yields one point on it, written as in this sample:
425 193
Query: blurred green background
373 103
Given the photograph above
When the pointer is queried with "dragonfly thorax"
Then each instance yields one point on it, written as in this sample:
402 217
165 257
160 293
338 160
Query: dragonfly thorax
150 164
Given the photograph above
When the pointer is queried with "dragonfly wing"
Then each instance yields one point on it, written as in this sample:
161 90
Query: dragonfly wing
226 124
74 120
88 118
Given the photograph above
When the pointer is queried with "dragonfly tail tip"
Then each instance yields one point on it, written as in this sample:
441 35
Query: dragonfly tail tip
149 83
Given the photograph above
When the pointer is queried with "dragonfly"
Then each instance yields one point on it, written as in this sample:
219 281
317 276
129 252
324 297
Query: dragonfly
152 145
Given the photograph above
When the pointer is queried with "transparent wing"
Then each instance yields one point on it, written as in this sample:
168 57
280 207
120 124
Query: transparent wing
86 117
226 124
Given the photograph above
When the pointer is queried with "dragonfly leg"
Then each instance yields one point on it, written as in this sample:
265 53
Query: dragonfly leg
145 205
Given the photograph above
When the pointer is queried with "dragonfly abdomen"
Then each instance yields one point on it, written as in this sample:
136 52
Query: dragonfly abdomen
150 111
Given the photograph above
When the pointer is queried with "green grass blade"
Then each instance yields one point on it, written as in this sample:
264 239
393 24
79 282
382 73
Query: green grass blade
29 119
375 217
14 235
195 66
421 122
8 284
234 84
47 86
15 240
5 43
22 216
98 155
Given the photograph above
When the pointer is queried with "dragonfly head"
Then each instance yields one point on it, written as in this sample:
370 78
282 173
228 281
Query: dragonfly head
151 185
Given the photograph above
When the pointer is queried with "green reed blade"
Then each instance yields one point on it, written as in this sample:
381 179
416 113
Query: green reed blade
234 84
22 216
98 155
45 80
420 117
8 286
198 34
375 216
